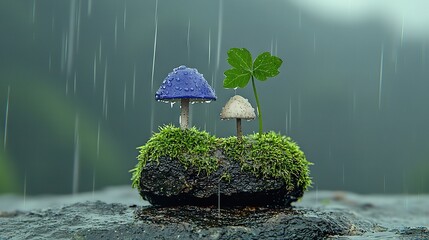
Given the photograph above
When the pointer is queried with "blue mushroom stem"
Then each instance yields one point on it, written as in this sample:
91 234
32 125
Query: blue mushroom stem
184 113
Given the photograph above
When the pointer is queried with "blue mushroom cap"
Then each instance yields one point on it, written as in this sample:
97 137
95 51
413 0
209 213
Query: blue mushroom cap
187 83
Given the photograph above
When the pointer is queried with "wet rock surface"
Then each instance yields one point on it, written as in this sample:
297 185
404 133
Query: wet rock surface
320 215
168 183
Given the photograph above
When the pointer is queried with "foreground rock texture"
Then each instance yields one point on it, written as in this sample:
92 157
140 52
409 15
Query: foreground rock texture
169 183
320 215
96 220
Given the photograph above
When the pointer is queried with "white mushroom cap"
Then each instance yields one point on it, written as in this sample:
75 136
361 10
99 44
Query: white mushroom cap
238 107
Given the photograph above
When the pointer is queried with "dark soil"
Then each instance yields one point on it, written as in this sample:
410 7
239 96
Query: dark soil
168 183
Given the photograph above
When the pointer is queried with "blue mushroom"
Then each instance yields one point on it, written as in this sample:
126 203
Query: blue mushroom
185 84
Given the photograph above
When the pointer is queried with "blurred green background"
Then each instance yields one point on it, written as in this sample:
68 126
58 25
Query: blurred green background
77 98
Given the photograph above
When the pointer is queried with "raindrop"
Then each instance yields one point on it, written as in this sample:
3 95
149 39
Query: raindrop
402 30
98 140
67 86
125 95
63 51
177 88
89 7
71 38
6 117
105 87
219 41
99 50
188 44
116 32
125 15
106 107
154 50
209 47
186 89
78 26
76 157
169 84
380 85
178 79
33 16
185 73
95 71
192 89
74 84
163 87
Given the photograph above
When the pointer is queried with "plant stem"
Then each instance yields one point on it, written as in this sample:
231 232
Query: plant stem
258 106
239 132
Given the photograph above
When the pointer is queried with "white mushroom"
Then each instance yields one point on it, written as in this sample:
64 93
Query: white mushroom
239 108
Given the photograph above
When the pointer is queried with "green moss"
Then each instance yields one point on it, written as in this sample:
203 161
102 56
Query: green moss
270 155
191 147
266 155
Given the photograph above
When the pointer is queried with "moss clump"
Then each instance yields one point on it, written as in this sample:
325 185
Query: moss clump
191 147
270 155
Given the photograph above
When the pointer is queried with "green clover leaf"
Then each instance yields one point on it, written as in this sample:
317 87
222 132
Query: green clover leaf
240 58
266 66
236 78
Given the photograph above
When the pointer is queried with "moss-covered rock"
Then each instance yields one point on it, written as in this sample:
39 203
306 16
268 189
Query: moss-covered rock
191 167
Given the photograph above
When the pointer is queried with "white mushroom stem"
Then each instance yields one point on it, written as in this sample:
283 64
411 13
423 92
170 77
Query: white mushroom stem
239 132
184 113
